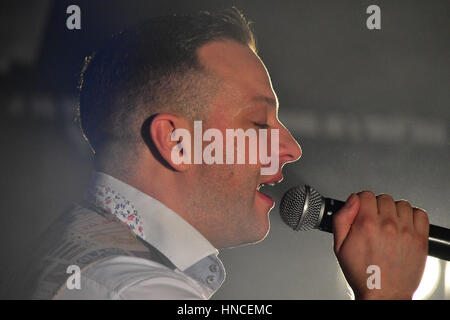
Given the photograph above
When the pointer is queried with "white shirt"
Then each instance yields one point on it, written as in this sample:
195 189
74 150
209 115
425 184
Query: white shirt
198 272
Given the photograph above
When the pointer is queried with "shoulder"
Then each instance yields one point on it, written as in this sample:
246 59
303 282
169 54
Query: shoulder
125 277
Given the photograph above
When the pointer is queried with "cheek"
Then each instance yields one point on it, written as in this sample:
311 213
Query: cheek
237 183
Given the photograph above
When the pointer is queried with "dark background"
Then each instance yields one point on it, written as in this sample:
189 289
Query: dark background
370 108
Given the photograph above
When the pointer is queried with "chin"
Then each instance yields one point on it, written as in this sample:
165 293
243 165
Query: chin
261 227
257 224
261 211
263 234
255 231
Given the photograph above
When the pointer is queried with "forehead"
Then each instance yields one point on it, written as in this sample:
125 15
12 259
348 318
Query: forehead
244 75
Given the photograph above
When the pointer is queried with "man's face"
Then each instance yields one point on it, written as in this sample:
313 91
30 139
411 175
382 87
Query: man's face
226 194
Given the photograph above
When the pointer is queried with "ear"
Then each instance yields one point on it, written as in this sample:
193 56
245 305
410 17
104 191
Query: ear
172 140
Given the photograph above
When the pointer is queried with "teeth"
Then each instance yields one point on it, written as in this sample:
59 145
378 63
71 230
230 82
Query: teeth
266 184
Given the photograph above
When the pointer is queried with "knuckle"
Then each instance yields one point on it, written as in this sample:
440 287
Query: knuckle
368 224
385 197
366 194
421 212
404 207
422 223
407 233
389 227
403 204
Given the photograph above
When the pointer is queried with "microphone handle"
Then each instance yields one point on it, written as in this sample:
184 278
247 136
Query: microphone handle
439 242
438 238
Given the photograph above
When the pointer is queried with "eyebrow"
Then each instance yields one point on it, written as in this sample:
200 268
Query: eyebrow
268 100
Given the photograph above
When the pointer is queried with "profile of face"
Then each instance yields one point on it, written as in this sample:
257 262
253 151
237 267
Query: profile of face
233 210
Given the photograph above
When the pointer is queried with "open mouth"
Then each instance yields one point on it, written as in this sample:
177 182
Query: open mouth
269 183
265 184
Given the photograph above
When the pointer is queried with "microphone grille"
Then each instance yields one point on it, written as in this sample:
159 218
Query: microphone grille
300 208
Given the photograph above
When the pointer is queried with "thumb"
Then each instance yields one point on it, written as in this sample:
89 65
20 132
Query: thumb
343 219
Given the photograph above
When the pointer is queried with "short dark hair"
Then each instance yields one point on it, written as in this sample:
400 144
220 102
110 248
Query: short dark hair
141 71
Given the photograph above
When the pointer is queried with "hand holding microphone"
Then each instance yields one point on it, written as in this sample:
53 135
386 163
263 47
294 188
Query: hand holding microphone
369 230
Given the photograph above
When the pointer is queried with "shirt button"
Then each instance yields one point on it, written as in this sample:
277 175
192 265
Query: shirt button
210 279
214 268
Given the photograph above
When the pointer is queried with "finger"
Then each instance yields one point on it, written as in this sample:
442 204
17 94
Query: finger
343 220
386 206
368 205
405 213
421 222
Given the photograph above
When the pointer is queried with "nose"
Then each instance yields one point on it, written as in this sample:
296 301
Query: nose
290 150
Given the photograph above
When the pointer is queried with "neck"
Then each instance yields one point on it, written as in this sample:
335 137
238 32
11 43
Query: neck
173 189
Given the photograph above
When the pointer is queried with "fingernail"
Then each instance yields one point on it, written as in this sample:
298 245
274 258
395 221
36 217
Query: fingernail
350 201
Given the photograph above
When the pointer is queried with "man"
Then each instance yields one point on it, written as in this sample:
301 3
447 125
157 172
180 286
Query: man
151 226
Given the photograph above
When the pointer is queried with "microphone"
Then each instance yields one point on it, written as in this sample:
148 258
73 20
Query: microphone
303 208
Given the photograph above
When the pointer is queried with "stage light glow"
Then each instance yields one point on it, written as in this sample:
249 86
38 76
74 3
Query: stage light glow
447 280
429 280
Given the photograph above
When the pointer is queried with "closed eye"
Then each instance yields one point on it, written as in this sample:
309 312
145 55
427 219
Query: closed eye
262 125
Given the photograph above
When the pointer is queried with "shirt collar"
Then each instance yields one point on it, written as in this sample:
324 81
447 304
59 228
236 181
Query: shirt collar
158 225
